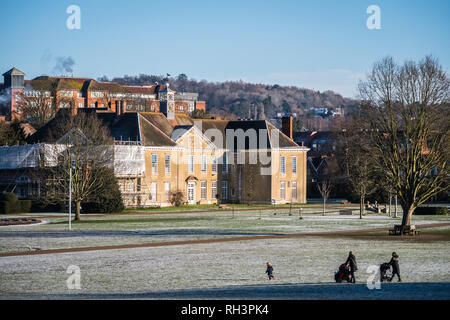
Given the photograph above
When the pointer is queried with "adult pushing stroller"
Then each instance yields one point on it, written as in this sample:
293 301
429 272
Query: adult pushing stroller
384 269
343 274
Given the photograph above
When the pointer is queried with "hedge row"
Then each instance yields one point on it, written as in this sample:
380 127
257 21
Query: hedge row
9 203
439 211
47 206
19 206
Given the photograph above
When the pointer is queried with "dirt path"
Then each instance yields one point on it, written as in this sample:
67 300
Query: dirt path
191 242
227 209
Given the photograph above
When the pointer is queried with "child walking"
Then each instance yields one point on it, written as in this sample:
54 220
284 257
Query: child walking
269 271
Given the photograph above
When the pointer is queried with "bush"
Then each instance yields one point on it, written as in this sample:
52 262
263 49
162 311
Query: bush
108 198
52 205
439 211
176 198
103 205
5 207
10 197
25 206
10 203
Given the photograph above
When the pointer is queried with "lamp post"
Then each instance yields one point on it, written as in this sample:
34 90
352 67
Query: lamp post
70 196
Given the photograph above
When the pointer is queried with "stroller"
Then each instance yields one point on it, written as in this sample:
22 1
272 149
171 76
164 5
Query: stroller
342 274
384 269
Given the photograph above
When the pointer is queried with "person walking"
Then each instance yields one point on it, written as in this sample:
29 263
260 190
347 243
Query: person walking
351 262
269 271
395 267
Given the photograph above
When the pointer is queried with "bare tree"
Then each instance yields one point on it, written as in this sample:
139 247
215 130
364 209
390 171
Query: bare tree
324 188
82 150
37 107
356 160
407 110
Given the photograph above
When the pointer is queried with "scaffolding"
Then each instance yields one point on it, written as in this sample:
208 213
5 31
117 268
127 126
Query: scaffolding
129 169
128 164
15 164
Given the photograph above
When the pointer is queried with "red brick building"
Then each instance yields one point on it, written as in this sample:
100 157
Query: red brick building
78 93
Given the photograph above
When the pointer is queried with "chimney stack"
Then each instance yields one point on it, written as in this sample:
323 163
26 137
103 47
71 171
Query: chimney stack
286 126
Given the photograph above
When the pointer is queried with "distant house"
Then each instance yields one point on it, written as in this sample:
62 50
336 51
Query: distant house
321 146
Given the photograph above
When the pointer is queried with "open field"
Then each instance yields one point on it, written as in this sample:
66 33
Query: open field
304 266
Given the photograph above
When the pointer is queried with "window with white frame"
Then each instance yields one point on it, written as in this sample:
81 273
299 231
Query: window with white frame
224 164
80 105
66 94
191 163
294 190
167 163
203 163
203 190
154 163
282 190
167 191
214 164
213 189
97 94
294 164
153 195
283 164
224 190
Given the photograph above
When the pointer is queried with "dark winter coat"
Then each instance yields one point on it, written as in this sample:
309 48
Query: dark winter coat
394 264
351 261
269 270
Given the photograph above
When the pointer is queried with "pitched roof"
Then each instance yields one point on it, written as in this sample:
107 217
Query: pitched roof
182 119
210 128
52 130
283 140
104 86
159 120
151 135
14 71
45 83
179 131
126 128
139 89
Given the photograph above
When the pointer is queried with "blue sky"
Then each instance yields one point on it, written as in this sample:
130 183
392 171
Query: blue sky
314 44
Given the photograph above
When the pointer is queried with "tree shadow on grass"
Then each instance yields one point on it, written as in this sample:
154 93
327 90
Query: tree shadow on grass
305 291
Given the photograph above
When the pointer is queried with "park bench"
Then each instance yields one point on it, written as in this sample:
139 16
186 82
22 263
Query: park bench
399 230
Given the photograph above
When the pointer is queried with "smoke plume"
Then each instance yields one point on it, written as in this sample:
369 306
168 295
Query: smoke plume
63 65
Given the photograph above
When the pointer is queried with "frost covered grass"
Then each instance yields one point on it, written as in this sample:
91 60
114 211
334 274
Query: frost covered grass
150 228
304 268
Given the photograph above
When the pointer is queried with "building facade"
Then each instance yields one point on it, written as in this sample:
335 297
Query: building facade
84 93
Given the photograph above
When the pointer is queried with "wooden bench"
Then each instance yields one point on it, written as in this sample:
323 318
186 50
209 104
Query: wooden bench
399 230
